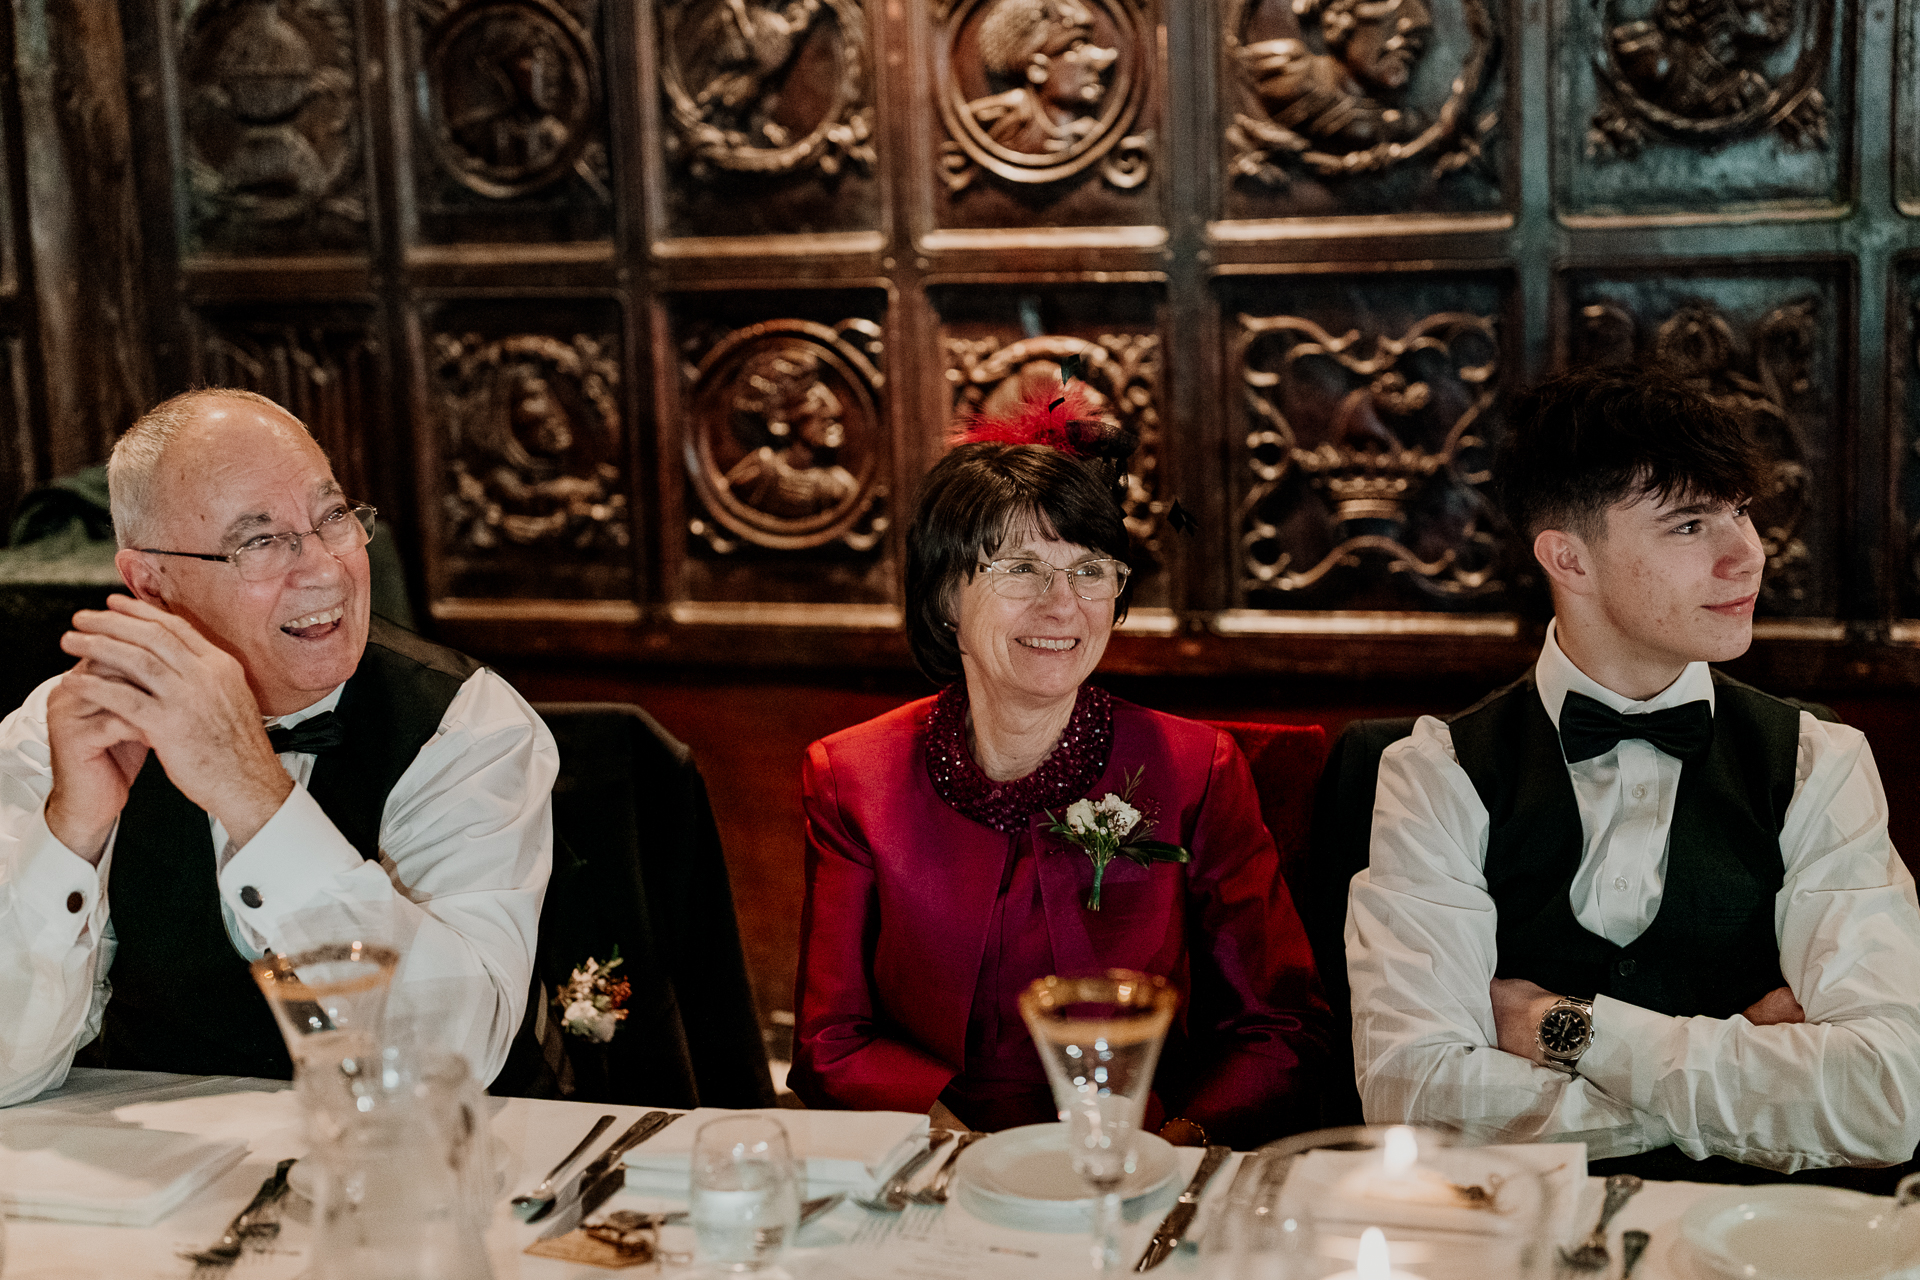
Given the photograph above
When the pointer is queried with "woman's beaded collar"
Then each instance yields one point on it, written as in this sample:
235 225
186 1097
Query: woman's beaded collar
1070 769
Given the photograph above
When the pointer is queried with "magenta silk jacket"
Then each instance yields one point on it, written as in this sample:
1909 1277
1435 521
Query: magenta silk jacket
901 888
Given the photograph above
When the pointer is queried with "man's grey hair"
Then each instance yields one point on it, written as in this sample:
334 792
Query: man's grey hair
135 464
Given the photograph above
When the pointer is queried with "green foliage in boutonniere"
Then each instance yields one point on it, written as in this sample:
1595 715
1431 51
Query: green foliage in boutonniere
593 1003
1112 825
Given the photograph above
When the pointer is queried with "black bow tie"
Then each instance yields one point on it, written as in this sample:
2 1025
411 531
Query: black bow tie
1590 728
312 735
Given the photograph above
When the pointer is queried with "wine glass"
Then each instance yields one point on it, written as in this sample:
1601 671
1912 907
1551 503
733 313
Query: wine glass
330 1003
1099 1036
744 1202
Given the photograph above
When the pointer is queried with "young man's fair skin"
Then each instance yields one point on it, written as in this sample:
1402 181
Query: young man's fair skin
1655 585
188 665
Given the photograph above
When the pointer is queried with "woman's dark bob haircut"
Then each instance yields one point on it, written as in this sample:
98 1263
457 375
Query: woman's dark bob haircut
971 500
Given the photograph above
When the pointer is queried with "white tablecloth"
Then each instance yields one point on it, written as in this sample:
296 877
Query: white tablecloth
922 1243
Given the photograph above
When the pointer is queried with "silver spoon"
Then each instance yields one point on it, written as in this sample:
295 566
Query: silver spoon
544 1192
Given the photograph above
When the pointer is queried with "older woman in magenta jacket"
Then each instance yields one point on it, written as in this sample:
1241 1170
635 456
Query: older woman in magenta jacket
935 890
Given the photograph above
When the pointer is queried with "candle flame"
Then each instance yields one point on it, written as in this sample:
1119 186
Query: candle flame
1373 1262
1402 1150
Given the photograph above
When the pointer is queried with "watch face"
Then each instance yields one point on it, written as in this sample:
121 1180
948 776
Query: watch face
1564 1031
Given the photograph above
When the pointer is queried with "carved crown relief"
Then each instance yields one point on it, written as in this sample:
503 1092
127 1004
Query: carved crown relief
272 129
1705 73
1332 89
730 70
534 442
1121 374
1763 376
1364 454
513 89
785 440
1037 91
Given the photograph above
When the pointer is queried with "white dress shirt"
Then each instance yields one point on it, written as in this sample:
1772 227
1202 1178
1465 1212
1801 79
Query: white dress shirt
466 844
1841 1088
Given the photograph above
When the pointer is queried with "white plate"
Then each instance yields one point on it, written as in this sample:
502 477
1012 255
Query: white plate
1801 1233
1024 1177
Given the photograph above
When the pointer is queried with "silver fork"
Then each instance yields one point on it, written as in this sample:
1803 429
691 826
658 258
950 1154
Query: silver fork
256 1221
935 1192
1592 1253
892 1198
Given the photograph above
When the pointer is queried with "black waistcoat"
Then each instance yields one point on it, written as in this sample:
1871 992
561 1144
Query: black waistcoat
1711 948
183 999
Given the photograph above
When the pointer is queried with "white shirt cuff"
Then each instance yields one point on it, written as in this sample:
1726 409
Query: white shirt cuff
64 888
1618 1029
296 857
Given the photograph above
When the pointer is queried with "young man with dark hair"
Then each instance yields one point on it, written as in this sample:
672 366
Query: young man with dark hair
1627 900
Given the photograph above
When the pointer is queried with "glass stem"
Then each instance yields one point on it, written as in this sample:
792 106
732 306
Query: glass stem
1106 1234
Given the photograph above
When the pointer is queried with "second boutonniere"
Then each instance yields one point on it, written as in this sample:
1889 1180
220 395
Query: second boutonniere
1113 825
593 1003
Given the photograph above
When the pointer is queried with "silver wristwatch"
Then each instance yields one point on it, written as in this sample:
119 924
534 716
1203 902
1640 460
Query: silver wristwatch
1565 1031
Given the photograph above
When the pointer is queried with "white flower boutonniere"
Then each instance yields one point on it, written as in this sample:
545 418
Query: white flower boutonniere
593 1003
1112 825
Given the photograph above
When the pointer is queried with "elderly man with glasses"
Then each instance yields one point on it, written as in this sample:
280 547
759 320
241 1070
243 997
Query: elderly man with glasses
243 760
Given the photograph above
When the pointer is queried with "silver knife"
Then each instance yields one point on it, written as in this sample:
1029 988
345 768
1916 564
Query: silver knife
1167 1238
642 1129
595 1195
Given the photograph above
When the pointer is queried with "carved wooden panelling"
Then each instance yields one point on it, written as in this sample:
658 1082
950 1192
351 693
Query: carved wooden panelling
1695 105
785 450
1904 358
529 403
510 100
1050 112
1000 346
1770 348
1369 413
327 365
767 116
273 126
1333 107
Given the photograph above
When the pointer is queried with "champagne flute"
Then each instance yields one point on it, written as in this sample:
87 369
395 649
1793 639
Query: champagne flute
1099 1036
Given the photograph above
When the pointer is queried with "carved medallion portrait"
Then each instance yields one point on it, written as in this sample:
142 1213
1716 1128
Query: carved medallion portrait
1342 87
1119 374
513 90
1704 73
784 437
1367 456
1039 90
271 122
534 442
766 86
1763 373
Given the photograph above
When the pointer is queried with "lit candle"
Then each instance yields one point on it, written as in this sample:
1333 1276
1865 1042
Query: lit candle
1373 1261
1398 1177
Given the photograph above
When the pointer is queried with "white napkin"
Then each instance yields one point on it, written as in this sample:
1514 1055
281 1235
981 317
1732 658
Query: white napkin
1562 1167
103 1174
840 1149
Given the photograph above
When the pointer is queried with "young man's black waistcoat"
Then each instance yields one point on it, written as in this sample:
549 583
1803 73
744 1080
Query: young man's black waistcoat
1711 949
183 999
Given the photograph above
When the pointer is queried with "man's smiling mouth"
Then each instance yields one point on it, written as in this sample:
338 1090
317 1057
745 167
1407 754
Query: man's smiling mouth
315 625
1051 646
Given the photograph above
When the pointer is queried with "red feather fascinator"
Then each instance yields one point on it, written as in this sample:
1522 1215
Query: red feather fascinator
1062 417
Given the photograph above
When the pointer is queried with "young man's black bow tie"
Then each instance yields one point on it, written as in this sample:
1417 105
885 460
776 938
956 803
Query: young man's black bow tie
1590 728
312 735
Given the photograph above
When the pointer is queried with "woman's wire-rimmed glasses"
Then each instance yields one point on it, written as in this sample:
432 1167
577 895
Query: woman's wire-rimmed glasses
341 530
1021 578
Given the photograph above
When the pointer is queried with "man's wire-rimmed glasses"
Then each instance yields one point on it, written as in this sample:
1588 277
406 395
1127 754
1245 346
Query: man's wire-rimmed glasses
1021 578
341 530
